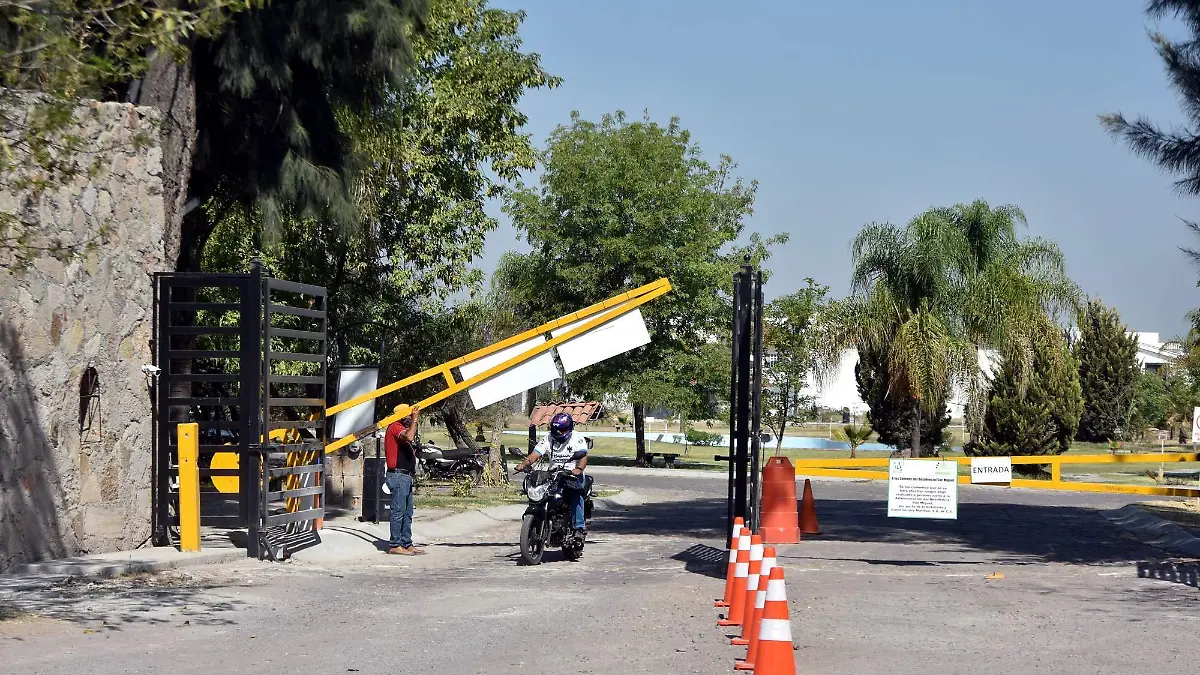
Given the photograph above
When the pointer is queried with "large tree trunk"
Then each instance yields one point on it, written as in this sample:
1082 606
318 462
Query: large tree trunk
456 426
171 87
639 432
916 429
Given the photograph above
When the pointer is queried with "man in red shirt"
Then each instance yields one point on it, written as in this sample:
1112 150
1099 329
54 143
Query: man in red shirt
401 468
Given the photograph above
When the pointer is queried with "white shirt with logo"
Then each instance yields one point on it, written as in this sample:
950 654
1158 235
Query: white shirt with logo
559 454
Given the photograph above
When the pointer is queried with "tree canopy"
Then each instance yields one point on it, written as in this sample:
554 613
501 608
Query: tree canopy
789 338
1108 371
931 293
620 204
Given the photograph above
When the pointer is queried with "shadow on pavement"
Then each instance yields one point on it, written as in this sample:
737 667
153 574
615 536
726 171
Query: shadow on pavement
704 559
1064 534
1019 533
114 603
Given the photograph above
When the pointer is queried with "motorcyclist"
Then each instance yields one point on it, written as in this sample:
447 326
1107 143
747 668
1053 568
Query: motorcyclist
561 443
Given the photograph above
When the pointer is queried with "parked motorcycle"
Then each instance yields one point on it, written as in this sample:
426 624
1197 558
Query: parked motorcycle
547 519
438 464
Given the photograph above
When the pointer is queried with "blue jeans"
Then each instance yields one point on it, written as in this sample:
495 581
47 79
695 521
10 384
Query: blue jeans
574 489
401 485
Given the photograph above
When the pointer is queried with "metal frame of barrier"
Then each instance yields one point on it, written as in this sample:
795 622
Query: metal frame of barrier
859 468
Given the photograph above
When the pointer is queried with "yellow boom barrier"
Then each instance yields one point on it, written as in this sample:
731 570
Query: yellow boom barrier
609 310
850 468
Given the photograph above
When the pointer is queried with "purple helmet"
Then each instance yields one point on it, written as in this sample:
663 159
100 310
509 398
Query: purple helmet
561 426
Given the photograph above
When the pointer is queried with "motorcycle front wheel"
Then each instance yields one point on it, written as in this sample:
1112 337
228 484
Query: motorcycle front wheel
532 546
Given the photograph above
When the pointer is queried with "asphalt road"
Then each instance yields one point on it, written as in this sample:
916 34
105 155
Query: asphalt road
869 595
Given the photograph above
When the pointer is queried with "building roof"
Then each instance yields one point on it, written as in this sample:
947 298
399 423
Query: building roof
581 412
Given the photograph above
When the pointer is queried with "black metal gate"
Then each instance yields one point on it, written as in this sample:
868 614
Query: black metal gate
242 355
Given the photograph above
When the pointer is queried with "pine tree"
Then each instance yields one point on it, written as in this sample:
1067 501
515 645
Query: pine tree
1035 412
891 410
1108 371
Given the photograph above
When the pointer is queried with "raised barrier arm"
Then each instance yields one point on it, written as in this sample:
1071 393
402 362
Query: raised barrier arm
609 310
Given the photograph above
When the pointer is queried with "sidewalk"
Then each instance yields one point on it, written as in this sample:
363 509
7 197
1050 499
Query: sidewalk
339 539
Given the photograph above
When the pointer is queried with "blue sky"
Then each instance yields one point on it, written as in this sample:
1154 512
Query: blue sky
854 111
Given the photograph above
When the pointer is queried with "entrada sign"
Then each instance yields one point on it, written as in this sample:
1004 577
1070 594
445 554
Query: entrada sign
991 470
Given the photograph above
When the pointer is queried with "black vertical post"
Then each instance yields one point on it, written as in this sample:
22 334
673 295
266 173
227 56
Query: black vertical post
532 437
162 451
756 411
250 365
252 492
733 391
743 394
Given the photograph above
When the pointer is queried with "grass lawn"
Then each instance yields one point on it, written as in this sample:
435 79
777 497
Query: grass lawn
608 451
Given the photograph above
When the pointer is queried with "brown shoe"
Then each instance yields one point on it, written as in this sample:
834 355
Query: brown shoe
396 550
413 550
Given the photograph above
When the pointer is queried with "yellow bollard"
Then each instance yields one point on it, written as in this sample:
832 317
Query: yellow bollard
189 487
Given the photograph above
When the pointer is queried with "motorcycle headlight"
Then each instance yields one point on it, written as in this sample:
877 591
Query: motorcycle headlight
538 492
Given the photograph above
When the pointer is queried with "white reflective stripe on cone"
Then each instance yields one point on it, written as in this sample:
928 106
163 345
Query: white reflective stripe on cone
760 599
733 554
756 552
752 582
744 543
775 630
775 591
742 570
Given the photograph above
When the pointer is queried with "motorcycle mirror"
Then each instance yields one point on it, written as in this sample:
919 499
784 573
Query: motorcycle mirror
589 442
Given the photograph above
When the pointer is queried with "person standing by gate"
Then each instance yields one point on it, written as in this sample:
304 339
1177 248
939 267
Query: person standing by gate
401 469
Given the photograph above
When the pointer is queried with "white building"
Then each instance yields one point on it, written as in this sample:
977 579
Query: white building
841 391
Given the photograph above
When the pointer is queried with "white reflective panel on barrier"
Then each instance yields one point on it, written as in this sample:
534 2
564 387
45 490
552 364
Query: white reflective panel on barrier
615 337
529 374
354 381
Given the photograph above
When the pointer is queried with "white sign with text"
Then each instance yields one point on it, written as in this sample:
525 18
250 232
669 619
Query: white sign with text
991 469
919 488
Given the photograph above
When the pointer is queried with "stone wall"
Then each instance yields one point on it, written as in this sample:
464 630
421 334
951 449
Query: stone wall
75 471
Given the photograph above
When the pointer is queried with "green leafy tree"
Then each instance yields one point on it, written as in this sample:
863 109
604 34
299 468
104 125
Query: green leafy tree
55 52
1182 397
1035 410
788 335
437 153
620 204
1148 407
1108 371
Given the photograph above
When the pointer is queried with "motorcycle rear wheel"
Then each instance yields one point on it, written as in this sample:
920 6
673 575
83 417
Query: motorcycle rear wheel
532 546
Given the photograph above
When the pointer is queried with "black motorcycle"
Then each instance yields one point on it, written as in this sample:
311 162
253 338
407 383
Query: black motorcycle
451 465
547 519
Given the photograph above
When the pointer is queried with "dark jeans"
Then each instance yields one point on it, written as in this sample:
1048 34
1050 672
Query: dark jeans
401 485
575 489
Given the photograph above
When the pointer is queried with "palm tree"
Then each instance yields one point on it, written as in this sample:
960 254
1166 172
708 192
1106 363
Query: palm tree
933 292
855 435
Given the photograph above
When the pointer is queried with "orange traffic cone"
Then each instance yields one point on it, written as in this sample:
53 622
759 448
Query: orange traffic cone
756 556
733 545
774 654
756 592
808 511
741 570
760 600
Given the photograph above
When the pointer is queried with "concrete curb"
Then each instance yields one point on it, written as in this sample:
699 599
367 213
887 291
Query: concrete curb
1155 531
106 565
619 502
